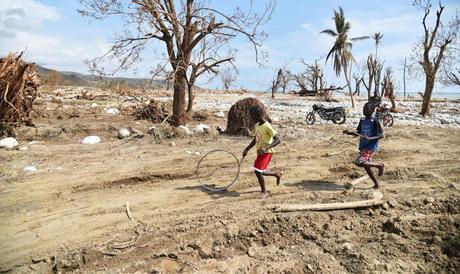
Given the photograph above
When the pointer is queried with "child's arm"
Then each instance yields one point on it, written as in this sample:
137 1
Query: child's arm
253 143
348 132
276 141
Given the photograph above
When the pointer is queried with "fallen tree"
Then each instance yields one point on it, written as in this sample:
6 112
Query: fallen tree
18 89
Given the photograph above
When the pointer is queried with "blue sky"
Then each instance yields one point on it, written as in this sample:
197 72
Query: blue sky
56 36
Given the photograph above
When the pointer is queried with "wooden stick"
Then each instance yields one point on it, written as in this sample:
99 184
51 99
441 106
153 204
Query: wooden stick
128 212
376 200
356 181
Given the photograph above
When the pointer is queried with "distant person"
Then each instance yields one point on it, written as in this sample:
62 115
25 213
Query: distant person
370 132
265 138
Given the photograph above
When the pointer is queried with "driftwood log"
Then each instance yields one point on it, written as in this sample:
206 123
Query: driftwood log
351 184
375 199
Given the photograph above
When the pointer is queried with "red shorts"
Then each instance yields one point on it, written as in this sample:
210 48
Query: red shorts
262 161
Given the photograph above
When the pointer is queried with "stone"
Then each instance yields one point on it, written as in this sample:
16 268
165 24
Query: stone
219 114
436 240
252 251
91 140
93 105
9 143
429 200
173 144
233 230
201 128
113 111
31 168
123 133
445 121
392 202
182 131
347 246
385 206
23 148
457 121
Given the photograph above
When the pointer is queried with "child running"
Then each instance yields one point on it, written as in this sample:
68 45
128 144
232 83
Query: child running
265 138
370 132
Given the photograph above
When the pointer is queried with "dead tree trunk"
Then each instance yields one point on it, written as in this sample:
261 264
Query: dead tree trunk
179 97
440 40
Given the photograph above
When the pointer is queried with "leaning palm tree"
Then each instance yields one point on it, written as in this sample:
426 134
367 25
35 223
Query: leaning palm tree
341 51
378 40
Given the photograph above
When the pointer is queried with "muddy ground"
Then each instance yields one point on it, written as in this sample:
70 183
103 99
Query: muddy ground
70 215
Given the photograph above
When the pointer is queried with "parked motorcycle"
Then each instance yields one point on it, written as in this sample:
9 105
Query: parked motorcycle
336 114
382 114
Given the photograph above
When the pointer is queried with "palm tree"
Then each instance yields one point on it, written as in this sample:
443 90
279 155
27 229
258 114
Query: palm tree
378 40
341 50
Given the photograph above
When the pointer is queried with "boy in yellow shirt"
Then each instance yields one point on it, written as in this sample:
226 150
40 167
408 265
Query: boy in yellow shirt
265 138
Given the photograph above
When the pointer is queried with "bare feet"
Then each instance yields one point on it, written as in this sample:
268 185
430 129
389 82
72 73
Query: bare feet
278 178
263 195
381 170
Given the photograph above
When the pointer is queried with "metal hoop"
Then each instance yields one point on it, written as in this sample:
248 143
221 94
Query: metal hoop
218 188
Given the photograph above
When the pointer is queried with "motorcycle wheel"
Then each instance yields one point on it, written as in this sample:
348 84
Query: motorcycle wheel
310 119
388 120
339 118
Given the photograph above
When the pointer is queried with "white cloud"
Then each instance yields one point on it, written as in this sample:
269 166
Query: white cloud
25 15
399 24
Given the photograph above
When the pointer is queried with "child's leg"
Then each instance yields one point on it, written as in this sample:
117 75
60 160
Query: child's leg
380 166
260 178
367 166
276 174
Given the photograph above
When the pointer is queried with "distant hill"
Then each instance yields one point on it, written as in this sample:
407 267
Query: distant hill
70 78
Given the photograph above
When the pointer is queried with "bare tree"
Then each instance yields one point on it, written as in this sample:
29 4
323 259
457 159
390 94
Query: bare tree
180 26
358 80
435 44
373 71
228 77
388 88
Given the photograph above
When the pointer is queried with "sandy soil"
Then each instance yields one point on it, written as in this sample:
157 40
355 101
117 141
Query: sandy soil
70 215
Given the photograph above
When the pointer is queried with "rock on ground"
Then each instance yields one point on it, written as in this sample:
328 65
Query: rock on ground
201 128
91 140
9 142
123 133
113 111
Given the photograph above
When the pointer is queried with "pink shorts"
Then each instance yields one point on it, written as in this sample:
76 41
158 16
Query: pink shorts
262 161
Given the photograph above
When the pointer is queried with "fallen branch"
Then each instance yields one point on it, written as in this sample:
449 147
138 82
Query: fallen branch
356 181
128 212
377 199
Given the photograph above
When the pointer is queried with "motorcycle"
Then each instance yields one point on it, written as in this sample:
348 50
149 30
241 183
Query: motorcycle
336 114
382 114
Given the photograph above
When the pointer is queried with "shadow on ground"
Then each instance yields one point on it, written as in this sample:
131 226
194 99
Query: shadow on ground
316 185
213 194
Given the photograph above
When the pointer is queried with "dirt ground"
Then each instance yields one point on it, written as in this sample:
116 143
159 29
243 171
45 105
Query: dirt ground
70 215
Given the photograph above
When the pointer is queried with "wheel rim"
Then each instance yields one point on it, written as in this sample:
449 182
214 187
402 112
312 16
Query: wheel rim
217 189
310 118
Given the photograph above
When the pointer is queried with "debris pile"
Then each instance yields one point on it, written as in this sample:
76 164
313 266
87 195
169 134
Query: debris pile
239 121
155 111
18 89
